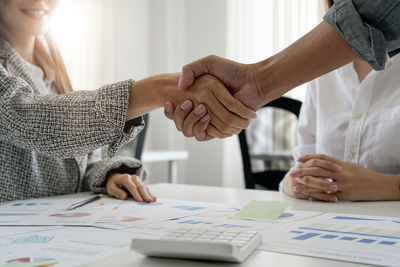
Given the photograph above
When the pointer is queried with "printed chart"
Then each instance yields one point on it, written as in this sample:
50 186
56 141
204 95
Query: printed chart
370 240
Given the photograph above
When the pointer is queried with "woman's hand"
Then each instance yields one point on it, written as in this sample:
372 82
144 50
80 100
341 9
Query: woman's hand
119 184
354 183
309 187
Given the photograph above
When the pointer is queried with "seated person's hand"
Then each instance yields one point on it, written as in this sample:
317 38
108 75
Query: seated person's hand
353 182
119 184
217 113
310 187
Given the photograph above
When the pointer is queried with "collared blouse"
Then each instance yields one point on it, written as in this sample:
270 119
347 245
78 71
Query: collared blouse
353 121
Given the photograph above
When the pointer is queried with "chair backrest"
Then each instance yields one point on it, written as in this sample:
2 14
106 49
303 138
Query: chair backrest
251 179
141 138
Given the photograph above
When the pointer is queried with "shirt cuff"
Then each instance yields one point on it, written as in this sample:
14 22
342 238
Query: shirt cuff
367 42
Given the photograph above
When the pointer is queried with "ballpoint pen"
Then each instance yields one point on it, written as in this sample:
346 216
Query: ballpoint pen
84 202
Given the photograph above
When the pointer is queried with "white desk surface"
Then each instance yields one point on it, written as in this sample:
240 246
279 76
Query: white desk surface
164 155
240 197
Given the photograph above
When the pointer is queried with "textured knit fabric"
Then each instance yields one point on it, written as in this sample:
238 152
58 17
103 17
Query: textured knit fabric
371 27
48 142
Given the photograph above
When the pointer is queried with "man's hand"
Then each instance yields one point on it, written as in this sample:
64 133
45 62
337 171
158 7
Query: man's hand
238 78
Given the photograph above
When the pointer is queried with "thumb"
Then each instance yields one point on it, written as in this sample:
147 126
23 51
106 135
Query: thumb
195 69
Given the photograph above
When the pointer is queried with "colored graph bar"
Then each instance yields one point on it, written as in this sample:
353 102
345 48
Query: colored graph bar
387 243
348 238
366 240
296 232
354 218
305 236
329 236
183 207
348 233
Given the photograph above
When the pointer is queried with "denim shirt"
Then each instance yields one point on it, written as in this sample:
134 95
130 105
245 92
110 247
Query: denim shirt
371 27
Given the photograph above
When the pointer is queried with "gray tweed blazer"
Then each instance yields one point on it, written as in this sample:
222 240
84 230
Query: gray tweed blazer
49 144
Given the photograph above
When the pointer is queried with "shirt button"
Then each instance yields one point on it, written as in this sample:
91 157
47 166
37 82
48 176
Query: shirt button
351 155
358 116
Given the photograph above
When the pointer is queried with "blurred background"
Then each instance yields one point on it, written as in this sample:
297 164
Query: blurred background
104 41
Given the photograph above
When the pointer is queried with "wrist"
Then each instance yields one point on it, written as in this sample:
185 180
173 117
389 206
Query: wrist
389 185
269 79
151 93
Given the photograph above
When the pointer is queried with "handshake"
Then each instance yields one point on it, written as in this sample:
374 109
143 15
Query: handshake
216 98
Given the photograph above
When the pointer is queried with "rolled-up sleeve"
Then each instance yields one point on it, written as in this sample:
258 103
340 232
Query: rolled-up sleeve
372 28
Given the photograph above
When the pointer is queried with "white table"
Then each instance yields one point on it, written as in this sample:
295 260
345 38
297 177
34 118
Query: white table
170 156
240 197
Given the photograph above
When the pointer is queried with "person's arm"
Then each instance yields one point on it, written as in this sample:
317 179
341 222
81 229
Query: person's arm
113 175
372 28
76 123
227 115
318 52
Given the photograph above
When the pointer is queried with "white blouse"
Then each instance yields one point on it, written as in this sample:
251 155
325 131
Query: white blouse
354 122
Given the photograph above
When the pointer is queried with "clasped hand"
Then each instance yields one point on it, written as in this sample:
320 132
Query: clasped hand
217 113
349 181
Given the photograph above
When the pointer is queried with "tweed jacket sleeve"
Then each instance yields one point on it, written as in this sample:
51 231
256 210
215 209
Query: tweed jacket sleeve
65 125
99 169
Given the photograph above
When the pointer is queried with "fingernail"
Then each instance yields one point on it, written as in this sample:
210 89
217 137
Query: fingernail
205 118
186 105
333 199
332 188
293 174
180 81
298 189
199 110
168 107
336 167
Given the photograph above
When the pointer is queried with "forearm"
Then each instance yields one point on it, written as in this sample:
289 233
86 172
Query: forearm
151 93
318 52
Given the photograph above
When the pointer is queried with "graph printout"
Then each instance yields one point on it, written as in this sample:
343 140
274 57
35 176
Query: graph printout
354 238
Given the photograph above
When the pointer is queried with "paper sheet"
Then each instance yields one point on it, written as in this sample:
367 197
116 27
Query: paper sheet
356 238
262 210
107 212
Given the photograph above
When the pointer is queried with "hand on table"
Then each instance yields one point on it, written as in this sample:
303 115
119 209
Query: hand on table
119 184
350 181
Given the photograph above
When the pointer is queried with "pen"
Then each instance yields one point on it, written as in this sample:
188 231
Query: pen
84 202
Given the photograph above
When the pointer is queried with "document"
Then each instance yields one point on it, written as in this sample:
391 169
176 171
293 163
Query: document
355 238
66 246
218 220
107 212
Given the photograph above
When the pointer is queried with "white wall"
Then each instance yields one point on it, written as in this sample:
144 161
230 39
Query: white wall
121 39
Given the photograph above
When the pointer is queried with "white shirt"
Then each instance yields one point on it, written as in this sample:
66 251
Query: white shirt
46 86
354 122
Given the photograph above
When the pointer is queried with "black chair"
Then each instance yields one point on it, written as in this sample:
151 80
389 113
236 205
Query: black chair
268 179
140 138
135 147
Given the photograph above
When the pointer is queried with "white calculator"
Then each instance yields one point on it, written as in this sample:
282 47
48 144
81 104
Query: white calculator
203 244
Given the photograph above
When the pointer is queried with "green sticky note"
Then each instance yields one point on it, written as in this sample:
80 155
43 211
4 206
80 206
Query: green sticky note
262 210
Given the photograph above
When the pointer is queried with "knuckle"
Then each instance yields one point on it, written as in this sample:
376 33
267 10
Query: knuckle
307 179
